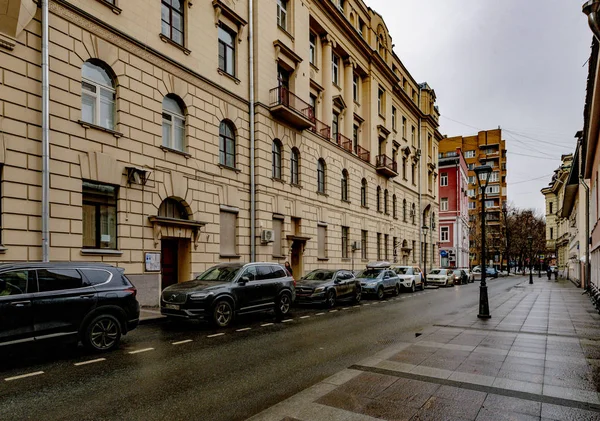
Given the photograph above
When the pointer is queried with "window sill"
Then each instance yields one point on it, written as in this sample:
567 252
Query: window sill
101 252
279 257
280 180
346 259
167 149
322 259
227 167
114 8
232 77
382 116
3 249
87 125
314 66
356 103
346 201
337 86
364 207
285 31
298 186
322 194
168 40
230 256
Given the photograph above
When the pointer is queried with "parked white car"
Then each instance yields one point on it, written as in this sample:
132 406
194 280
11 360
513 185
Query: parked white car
442 277
411 277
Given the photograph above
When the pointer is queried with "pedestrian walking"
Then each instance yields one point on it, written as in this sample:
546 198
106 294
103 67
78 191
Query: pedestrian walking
289 268
549 273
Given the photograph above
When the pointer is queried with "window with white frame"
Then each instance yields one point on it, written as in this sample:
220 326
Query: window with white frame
403 127
471 179
471 205
312 40
444 179
381 101
471 193
495 176
489 204
364 235
492 189
97 96
394 118
295 167
471 166
413 137
355 87
469 154
282 14
226 50
444 234
173 124
444 204
335 68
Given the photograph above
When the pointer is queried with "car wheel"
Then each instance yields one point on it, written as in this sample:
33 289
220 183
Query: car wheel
103 333
412 287
222 313
330 299
284 304
380 293
357 296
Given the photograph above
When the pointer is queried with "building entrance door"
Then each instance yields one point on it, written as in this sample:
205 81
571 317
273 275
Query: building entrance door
169 262
296 259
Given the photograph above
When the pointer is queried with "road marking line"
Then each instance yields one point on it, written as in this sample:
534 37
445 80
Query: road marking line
22 376
304 317
367 304
181 342
286 320
141 350
345 308
215 335
358 305
243 329
267 324
319 314
97 360
333 311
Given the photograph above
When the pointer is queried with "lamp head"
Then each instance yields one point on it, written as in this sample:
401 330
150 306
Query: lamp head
483 173
592 9
425 228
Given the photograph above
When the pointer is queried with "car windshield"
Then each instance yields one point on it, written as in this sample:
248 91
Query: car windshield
319 275
438 272
457 272
403 271
369 273
220 273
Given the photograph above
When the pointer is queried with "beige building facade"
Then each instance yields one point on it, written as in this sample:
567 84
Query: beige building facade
151 137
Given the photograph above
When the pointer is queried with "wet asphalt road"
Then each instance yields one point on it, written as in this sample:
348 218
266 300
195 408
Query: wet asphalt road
169 371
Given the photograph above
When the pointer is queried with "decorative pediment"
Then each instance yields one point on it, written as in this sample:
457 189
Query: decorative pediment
383 131
15 15
221 9
339 102
101 167
282 49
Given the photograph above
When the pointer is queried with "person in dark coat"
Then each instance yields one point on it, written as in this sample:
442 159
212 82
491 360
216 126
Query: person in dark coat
289 268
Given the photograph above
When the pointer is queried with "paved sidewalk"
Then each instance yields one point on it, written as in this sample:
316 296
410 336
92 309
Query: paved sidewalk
538 358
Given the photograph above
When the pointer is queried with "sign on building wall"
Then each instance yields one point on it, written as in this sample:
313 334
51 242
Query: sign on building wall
152 262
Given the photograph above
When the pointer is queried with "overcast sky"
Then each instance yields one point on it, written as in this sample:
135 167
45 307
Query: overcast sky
517 64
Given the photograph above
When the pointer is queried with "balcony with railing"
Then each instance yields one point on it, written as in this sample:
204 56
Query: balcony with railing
385 166
344 142
321 128
287 107
363 154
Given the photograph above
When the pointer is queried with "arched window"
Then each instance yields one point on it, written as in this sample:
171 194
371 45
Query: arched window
276 156
363 193
394 207
413 213
173 123
97 96
404 210
295 167
227 144
385 202
171 208
378 199
321 169
345 185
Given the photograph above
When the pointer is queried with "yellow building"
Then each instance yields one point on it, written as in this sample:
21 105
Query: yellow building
485 148
151 137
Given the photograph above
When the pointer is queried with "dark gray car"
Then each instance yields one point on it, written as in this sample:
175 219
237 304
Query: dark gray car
326 286
230 289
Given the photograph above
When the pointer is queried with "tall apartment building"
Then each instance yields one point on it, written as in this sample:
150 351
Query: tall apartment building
485 148
152 145
454 212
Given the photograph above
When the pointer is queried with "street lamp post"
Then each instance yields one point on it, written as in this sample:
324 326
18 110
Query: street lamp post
506 230
425 228
483 174
530 241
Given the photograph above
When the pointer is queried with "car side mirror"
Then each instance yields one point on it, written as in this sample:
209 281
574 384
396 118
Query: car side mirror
244 280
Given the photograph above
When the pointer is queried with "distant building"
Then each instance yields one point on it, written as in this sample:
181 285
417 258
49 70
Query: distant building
487 147
454 213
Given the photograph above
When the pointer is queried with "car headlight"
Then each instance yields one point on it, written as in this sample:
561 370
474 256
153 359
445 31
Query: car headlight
371 284
319 290
200 295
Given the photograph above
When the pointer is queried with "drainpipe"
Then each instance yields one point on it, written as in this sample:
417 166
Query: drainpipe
588 263
45 134
252 175
421 248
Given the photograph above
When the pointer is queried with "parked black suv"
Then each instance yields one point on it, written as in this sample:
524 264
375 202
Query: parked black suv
326 286
228 289
94 303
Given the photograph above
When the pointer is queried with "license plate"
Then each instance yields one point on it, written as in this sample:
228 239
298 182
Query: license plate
172 306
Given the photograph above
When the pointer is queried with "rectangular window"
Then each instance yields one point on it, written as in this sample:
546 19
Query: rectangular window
355 87
322 241
413 136
404 167
394 118
472 205
444 234
99 216
471 193
495 176
381 102
278 231
345 237
312 40
364 238
489 204
492 190
414 248
386 239
378 246
550 204
282 14
444 204
335 68
172 20
471 167
469 154
355 138
414 174
403 127
228 230
551 233
335 126
444 179
361 25
226 50
472 179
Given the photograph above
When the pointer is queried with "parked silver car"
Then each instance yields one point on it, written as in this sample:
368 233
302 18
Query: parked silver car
442 277
377 279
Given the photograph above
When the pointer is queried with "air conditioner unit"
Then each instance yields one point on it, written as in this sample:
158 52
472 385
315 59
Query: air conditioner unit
356 245
267 236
